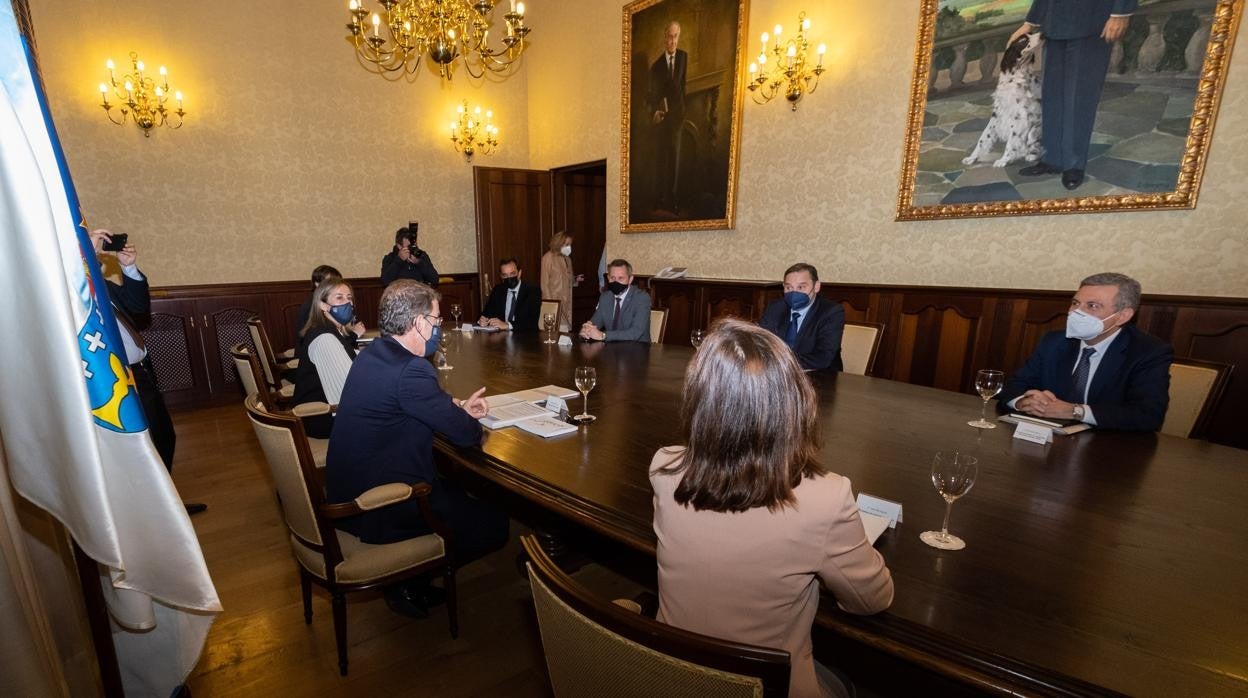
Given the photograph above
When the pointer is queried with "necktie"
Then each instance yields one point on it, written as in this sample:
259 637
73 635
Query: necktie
511 305
671 64
790 336
1082 370
615 321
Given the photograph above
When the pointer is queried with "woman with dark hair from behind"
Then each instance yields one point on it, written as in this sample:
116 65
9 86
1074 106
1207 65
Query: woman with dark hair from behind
326 350
748 521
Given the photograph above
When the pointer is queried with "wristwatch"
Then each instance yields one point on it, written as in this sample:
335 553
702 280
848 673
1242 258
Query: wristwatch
1077 411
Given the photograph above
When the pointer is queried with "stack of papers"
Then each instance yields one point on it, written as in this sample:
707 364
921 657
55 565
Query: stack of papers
520 409
532 396
1059 426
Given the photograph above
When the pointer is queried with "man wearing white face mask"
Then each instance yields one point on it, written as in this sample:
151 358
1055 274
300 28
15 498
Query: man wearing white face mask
1101 370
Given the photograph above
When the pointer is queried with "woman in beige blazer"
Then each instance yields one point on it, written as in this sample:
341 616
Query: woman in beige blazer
748 522
557 278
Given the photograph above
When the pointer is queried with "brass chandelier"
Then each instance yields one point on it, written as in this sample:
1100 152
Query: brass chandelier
469 134
142 98
392 42
789 72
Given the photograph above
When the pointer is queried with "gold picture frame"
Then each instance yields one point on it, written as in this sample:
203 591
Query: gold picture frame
916 200
681 173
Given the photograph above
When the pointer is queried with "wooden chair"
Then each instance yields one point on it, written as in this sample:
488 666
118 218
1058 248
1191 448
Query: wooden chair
1196 388
859 346
658 325
248 368
596 648
334 559
272 369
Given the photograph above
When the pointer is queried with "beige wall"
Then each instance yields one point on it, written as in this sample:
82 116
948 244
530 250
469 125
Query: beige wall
821 184
294 156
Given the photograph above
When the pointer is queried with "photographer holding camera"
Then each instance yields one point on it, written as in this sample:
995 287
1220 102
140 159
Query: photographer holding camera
408 261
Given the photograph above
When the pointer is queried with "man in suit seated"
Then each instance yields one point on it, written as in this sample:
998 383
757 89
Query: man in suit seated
391 407
512 305
623 312
810 324
1101 370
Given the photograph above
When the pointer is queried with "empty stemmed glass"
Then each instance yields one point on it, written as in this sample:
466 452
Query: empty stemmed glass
440 360
586 379
953 474
548 324
455 310
988 382
696 337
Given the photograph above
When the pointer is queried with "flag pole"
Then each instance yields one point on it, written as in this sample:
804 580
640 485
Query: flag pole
97 617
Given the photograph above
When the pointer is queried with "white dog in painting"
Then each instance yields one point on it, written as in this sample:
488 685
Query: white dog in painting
1016 114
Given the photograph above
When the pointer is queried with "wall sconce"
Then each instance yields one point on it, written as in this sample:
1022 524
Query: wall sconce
790 72
469 134
141 98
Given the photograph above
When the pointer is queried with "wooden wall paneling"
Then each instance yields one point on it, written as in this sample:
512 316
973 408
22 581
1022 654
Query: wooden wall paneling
225 325
1219 334
173 345
684 311
940 339
580 208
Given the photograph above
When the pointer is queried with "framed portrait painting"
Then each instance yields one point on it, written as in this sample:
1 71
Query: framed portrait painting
1063 106
681 113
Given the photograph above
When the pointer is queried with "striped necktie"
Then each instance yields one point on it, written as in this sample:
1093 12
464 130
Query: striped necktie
1082 370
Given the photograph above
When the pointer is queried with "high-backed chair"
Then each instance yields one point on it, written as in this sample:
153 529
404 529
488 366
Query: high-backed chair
1195 390
272 369
248 369
552 307
335 559
595 648
859 346
658 325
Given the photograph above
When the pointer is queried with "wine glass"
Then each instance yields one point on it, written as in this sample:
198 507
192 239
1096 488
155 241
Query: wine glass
548 323
953 474
586 379
696 337
440 360
456 310
988 382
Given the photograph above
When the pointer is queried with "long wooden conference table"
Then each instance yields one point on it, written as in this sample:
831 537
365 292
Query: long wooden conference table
1102 563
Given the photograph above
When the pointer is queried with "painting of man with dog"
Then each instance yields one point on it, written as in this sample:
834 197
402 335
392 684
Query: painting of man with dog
1042 100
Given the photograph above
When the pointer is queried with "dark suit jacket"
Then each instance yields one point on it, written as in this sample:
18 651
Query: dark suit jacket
1131 388
132 296
524 312
1076 19
818 345
393 267
634 316
669 86
390 409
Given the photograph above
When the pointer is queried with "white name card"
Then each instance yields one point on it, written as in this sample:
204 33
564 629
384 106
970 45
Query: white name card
565 340
555 404
1035 433
880 507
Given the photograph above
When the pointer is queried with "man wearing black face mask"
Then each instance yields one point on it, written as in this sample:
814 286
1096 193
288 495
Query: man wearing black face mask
512 305
810 324
623 312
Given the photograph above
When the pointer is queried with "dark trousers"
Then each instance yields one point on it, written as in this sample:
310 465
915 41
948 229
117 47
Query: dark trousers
1074 74
159 423
477 528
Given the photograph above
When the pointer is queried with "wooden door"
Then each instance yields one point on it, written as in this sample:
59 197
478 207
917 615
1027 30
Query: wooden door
513 220
580 205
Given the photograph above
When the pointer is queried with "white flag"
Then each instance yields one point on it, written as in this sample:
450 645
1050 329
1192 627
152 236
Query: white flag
74 433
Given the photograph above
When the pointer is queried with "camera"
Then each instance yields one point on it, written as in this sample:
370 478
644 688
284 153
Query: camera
413 228
116 242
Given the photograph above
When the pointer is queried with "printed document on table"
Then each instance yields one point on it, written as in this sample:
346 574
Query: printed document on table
507 415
